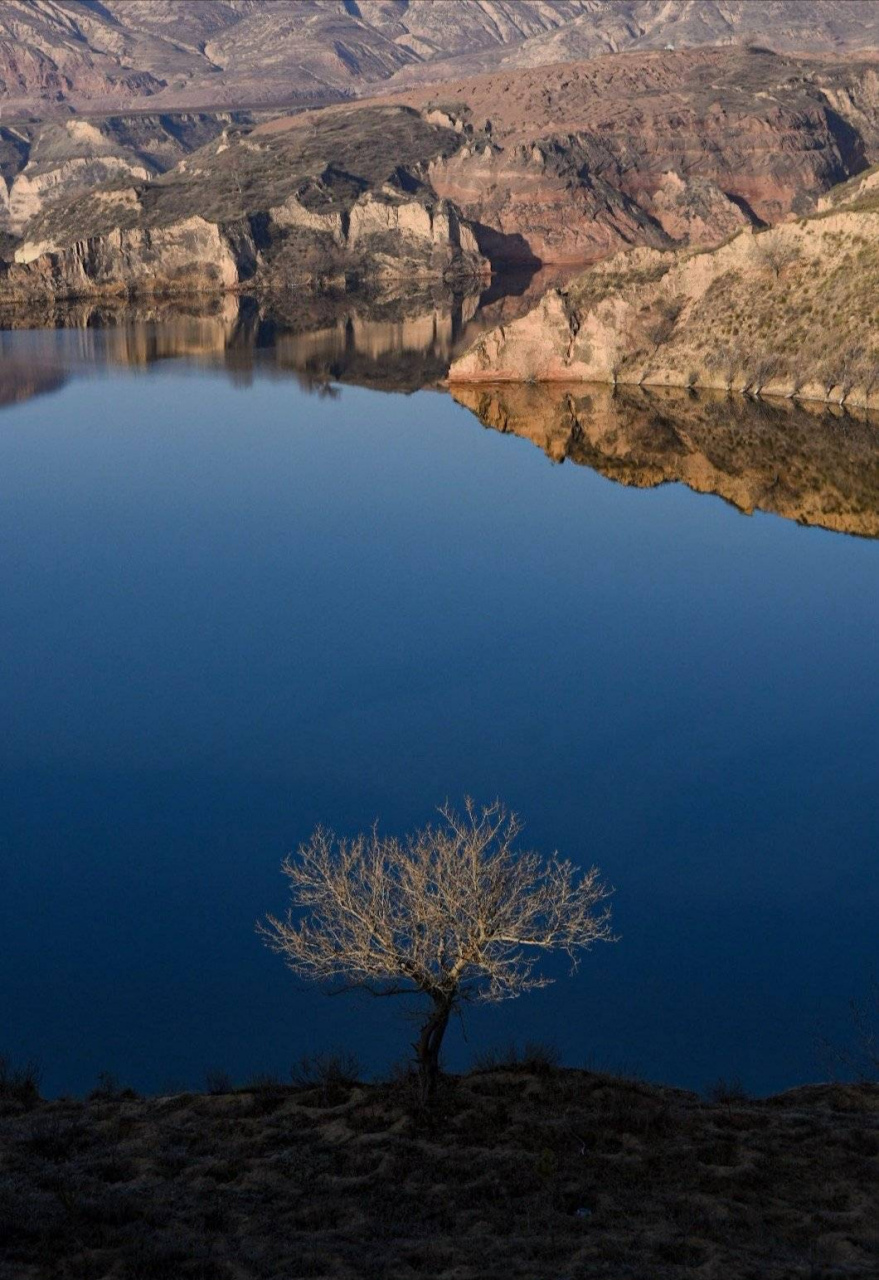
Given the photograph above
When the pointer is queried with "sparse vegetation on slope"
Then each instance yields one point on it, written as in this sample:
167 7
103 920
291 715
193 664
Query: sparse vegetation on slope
565 165
789 311
519 1170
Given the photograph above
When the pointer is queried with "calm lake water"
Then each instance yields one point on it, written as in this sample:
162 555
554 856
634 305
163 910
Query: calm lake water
239 598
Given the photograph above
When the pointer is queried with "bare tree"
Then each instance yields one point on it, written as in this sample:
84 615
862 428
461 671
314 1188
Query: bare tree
775 253
758 371
455 912
871 374
842 372
727 359
859 1058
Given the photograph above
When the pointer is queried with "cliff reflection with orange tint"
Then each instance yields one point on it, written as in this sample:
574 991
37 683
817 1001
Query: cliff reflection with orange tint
805 462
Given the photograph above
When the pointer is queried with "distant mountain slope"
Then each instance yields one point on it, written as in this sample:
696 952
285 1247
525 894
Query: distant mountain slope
110 54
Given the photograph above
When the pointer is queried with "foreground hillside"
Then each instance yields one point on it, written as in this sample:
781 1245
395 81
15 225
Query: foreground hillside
519 1172
789 311
61 54
561 166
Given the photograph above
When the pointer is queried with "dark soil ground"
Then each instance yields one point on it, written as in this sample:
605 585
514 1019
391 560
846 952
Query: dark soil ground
525 1171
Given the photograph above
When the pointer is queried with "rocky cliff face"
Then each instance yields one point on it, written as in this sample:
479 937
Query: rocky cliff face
787 312
811 465
563 166
571 162
378 239
56 159
260 207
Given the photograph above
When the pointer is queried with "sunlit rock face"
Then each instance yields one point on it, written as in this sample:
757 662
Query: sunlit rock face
811 465
786 312
565 165
572 162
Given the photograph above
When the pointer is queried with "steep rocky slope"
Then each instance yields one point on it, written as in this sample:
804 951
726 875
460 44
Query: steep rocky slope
56 159
789 311
234 52
320 204
110 54
562 166
805 462
650 148
787 26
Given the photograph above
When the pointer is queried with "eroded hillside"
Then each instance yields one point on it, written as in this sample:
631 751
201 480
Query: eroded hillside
789 311
58 54
563 166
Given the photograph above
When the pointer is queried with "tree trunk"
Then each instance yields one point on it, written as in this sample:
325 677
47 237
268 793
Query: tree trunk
428 1044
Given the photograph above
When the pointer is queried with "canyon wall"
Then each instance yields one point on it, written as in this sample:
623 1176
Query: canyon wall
788 312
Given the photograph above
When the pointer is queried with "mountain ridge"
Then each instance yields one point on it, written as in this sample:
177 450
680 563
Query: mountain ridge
63 55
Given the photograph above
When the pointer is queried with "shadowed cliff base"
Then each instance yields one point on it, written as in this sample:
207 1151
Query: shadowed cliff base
811 464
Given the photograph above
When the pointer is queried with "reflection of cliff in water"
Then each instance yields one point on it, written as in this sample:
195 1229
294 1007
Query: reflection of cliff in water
393 341
21 380
807 463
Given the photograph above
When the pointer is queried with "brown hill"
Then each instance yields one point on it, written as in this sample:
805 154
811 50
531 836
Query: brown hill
789 311
564 165
111 54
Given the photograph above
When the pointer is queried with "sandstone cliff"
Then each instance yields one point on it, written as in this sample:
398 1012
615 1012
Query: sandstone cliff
570 162
564 166
788 311
41 162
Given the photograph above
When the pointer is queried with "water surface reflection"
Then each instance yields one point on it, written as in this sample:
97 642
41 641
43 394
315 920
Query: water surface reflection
229 614
807 462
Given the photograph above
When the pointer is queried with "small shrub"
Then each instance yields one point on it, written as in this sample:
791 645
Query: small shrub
327 1070
217 1082
108 1089
263 1082
727 1092
534 1056
20 1085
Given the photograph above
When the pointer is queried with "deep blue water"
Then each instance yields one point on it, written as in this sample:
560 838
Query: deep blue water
228 613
